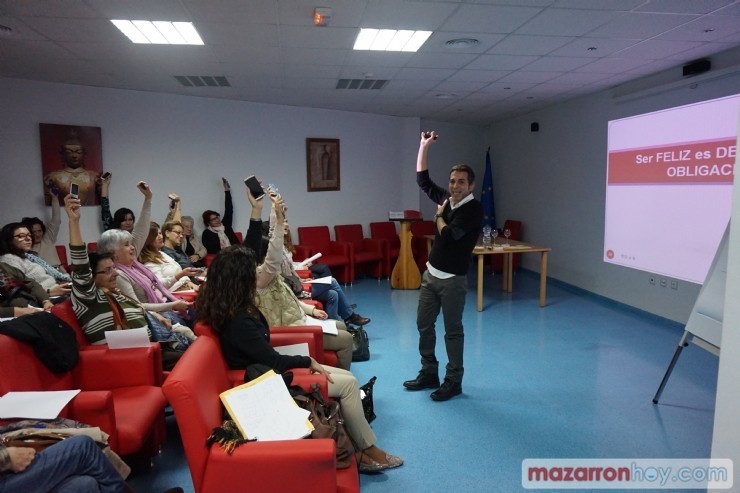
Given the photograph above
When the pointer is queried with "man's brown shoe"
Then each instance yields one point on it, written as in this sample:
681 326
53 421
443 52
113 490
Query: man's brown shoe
357 319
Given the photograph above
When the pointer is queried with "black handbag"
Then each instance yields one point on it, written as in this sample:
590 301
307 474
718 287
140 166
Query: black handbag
360 344
367 400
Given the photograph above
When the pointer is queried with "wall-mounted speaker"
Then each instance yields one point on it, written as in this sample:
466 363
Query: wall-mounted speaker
697 67
534 127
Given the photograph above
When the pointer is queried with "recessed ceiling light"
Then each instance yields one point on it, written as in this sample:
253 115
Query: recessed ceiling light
159 32
390 40
461 43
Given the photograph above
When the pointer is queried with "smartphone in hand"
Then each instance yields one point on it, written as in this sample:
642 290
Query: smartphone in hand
74 190
106 175
142 186
254 187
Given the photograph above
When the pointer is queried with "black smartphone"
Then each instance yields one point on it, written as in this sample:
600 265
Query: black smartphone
74 190
106 175
254 187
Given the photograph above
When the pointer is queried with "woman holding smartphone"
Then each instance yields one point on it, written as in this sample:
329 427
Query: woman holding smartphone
219 234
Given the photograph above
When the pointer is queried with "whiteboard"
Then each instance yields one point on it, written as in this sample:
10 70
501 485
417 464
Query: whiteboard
705 320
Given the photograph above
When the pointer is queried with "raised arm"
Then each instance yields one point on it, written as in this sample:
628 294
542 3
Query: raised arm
141 228
431 189
228 217
271 265
105 214
52 227
253 238
175 212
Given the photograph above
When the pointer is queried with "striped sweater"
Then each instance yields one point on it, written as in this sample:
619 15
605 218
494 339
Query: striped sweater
91 305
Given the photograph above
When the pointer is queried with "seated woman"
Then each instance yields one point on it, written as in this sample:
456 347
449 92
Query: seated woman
15 247
167 270
139 284
336 304
19 295
45 235
277 302
191 245
228 303
219 234
98 303
123 218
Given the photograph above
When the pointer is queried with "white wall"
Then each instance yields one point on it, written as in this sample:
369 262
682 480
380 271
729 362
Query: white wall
554 181
185 144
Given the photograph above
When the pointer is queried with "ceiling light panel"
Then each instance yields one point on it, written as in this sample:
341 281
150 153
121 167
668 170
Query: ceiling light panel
159 32
390 40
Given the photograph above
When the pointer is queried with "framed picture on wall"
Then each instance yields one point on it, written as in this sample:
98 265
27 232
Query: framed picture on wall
322 164
71 154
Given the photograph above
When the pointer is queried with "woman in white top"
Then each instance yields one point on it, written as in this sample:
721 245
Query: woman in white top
167 270
45 235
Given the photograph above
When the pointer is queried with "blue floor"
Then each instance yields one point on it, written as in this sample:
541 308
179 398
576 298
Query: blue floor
572 380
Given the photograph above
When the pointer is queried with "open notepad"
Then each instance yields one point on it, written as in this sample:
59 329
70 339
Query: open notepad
263 409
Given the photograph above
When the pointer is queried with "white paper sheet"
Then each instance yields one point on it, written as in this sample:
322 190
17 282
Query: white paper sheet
304 263
328 326
263 409
300 349
120 339
320 280
35 405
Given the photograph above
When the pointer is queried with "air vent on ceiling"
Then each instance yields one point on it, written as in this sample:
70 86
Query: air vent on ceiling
203 80
361 83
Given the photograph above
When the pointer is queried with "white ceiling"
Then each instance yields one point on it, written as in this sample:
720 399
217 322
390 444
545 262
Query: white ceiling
531 53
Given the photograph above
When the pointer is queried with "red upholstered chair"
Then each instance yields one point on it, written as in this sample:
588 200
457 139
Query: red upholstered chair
283 336
119 391
419 247
337 255
497 261
386 232
62 253
286 466
66 312
367 253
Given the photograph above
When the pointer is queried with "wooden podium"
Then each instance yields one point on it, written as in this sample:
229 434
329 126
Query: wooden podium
406 273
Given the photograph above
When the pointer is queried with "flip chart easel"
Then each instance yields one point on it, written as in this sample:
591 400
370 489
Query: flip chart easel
704 327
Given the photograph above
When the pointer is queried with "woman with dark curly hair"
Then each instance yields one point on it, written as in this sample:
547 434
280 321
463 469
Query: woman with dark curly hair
228 303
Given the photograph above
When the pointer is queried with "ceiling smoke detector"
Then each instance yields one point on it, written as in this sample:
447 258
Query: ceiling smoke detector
461 43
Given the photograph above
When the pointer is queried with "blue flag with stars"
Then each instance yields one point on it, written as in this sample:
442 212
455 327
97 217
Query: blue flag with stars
486 199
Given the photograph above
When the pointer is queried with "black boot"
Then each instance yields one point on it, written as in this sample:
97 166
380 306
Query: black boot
422 381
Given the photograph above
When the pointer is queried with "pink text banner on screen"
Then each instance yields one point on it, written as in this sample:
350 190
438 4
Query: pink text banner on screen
697 162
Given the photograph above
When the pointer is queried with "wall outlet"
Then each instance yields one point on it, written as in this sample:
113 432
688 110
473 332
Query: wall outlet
652 280
663 282
674 284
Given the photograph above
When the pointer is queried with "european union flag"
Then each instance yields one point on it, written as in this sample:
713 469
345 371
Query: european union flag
489 216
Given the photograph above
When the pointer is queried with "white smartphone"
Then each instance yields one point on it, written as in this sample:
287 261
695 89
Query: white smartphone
74 190
254 187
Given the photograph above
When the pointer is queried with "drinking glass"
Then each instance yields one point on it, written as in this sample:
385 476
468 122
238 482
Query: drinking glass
494 233
507 233
487 237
